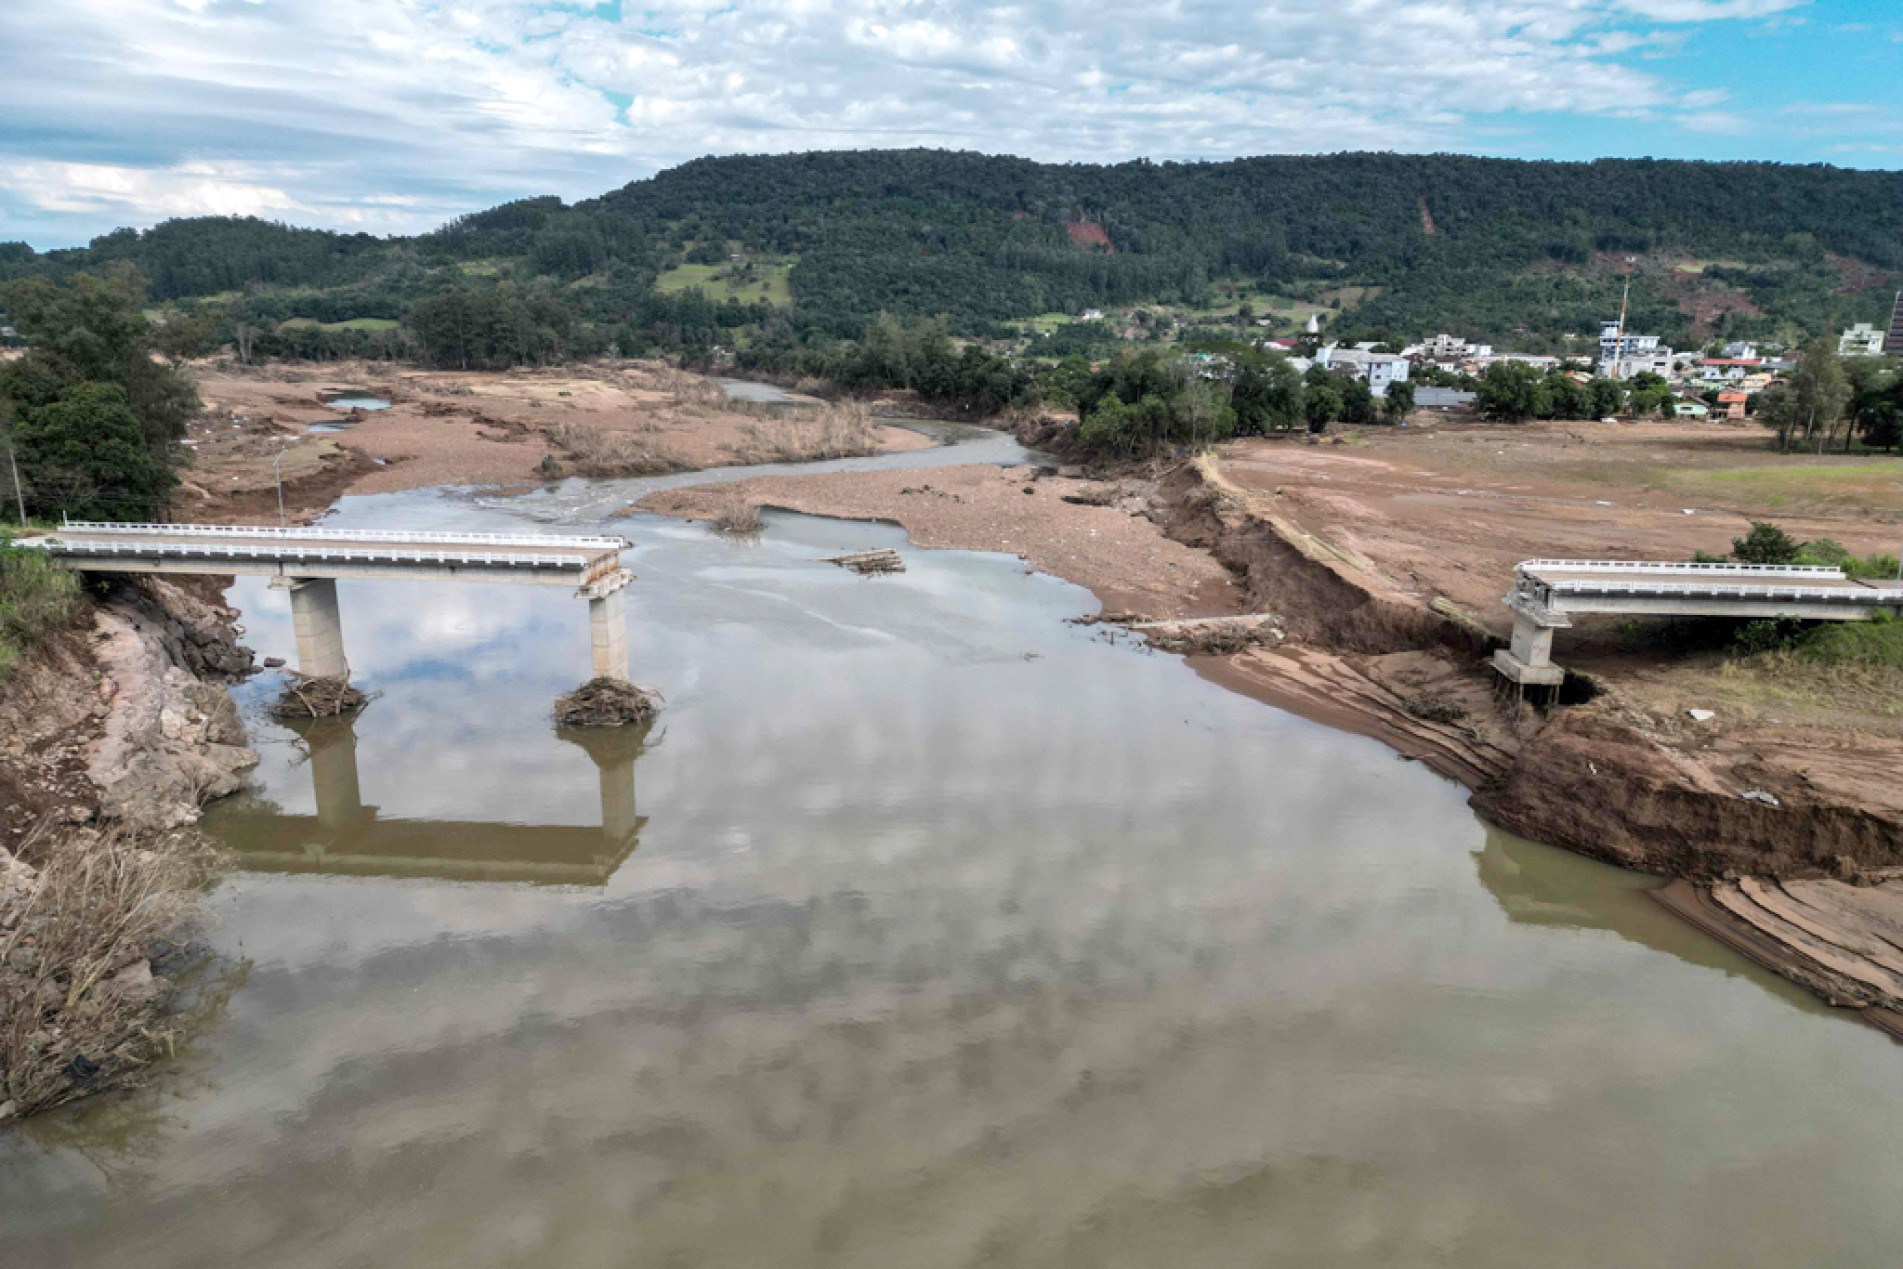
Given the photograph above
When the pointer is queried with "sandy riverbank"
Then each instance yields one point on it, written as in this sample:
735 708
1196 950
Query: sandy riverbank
1384 560
446 428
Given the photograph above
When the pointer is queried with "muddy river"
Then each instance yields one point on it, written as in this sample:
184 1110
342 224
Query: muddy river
925 929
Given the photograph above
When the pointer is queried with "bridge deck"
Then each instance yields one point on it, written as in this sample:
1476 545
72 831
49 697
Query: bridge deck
318 553
1574 584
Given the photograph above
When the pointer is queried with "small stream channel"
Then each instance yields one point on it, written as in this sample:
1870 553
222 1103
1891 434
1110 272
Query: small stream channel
924 929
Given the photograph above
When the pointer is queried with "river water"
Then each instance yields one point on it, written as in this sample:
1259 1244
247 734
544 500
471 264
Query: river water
925 929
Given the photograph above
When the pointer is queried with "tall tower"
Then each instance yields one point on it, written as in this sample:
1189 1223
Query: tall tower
1893 345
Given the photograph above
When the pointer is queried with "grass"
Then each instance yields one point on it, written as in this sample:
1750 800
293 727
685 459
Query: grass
355 323
37 597
1874 644
768 282
1792 482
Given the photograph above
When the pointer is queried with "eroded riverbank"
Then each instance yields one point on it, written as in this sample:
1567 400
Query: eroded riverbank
1628 778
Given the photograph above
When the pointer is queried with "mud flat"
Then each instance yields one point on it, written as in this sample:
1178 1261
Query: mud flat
451 428
1384 563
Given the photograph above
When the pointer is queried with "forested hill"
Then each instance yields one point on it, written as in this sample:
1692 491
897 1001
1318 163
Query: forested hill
1400 245
1481 243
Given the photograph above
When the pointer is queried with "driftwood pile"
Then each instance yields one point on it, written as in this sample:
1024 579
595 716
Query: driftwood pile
605 702
1196 636
306 697
885 560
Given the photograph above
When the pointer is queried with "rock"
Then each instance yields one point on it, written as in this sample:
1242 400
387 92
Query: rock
274 663
1700 715
1759 795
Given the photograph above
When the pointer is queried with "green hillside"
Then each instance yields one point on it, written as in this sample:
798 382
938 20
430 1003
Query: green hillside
804 246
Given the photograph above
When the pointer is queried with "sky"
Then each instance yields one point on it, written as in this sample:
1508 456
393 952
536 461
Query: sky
392 116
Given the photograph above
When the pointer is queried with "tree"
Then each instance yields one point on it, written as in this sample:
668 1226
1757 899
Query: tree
1765 544
1514 391
1605 398
1267 395
1357 401
1321 401
86 456
1400 401
1818 393
92 329
1875 413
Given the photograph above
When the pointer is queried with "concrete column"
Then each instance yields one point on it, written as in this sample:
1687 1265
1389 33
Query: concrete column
1532 642
608 634
319 627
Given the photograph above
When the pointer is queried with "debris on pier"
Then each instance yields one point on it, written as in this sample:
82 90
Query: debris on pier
885 560
606 702
307 697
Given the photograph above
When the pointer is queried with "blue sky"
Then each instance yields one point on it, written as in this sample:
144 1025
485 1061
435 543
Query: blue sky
390 116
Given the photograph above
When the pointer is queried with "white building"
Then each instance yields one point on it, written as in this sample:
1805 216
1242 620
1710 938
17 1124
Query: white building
1379 369
1452 348
1861 340
1622 355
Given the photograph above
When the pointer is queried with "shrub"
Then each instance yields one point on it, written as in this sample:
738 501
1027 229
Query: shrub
1765 544
37 596
1775 634
592 451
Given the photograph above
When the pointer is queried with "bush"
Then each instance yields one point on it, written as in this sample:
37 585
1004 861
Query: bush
1776 634
1877 642
37 596
1765 544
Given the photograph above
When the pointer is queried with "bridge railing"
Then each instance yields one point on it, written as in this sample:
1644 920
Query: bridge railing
263 533
293 554
1872 596
1657 566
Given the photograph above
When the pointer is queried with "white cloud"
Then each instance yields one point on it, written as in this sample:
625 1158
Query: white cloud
395 114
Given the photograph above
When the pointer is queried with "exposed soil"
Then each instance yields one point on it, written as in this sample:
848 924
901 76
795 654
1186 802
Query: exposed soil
1114 550
443 428
124 714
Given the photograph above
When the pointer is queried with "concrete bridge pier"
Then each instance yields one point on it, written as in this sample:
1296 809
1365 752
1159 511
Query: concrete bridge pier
318 625
608 625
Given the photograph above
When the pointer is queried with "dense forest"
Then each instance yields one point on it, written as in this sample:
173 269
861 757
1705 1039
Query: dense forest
803 250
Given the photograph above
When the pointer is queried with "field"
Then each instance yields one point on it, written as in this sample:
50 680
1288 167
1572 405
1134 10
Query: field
355 323
766 282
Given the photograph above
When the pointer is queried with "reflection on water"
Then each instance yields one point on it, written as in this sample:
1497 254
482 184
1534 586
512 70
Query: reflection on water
956 936
345 836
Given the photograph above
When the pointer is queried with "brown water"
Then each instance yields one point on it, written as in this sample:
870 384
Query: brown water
927 930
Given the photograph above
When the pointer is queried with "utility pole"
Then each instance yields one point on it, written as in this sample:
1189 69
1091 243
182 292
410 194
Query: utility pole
278 471
19 493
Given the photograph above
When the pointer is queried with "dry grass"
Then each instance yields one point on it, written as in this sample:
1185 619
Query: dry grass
587 450
830 431
80 1009
737 516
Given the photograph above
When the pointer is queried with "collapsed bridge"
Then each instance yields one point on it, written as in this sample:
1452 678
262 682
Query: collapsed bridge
1547 594
309 562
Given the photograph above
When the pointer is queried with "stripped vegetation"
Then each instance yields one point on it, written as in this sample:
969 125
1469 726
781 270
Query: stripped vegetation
843 430
588 450
81 1008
